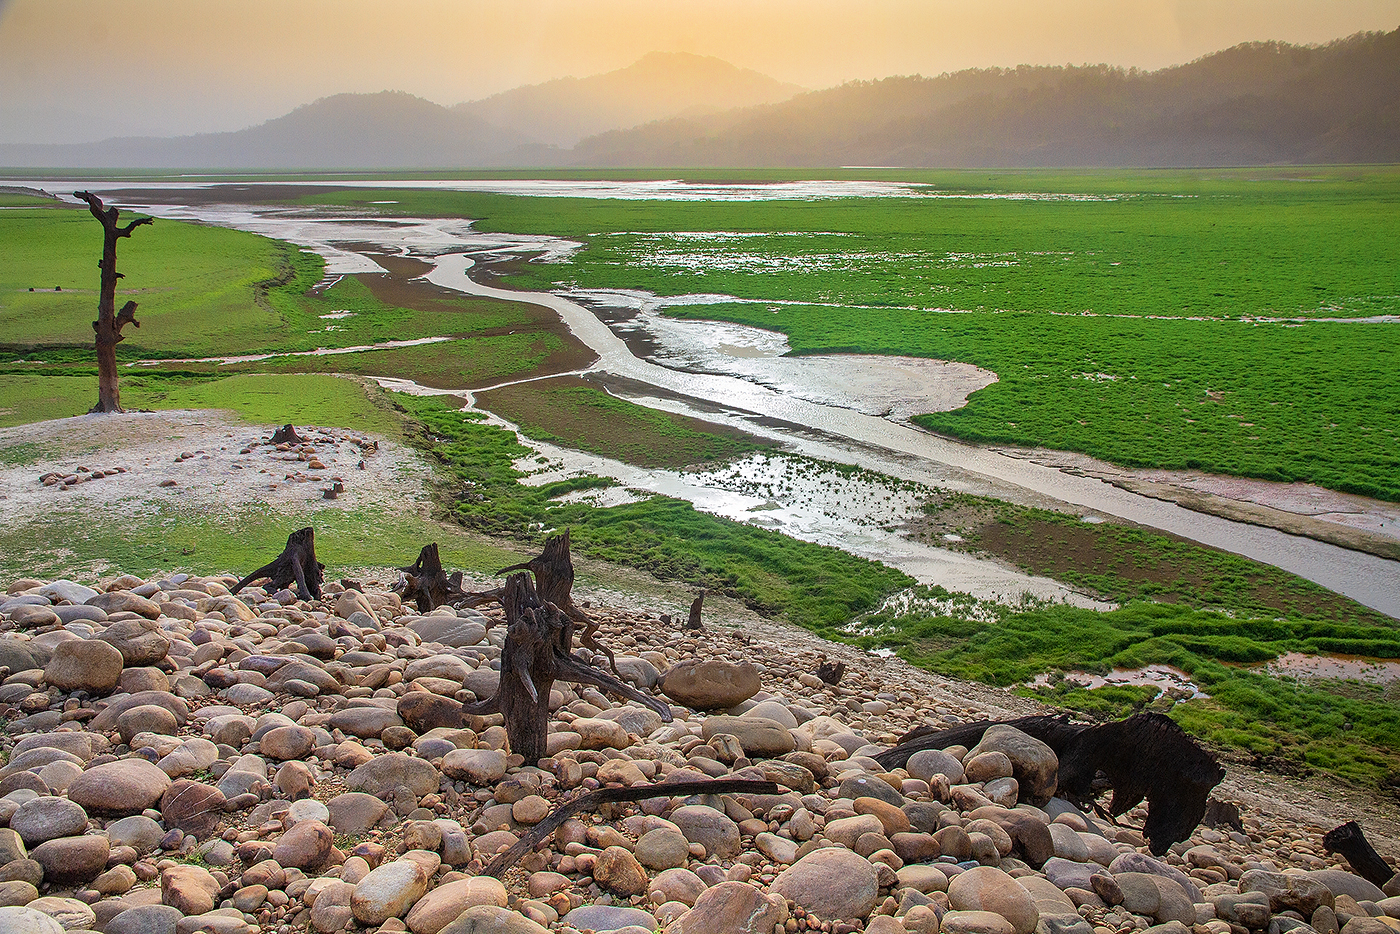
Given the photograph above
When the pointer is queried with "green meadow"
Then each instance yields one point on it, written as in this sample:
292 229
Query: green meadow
1120 311
1161 371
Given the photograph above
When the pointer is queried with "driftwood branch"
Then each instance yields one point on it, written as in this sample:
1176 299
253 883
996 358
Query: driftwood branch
1147 756
1351 843
590 801
297 562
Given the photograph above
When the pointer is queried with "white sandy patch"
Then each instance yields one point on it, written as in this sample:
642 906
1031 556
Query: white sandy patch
201 460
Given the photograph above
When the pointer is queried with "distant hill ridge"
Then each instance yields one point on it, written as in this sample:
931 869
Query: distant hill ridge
1256 103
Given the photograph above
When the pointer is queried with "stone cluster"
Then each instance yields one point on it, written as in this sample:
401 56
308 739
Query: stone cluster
180 759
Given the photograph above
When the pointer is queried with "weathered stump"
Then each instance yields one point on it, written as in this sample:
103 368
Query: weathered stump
428 584
830 672
297 562
1145 756
287 434
553 569
694 623
1351 843
538 651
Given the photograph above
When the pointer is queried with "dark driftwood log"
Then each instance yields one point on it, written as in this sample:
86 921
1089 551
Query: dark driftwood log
538 650
554 580
428 584
1146 756
694 623
297 562
287 434
1351 843
588 802
108 326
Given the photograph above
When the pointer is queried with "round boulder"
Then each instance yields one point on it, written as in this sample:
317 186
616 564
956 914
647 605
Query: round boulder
84 665
127 786
833 883
711 684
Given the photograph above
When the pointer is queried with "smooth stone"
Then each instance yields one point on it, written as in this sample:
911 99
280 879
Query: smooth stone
442 905
47 817
711 684
388 891
987 888
84 665
833 883
17 919
122 787
488 919
712 829
384 773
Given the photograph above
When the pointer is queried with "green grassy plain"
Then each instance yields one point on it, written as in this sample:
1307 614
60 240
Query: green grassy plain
1116 325
574 414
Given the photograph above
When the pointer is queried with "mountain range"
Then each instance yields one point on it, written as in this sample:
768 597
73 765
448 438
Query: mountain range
1257 103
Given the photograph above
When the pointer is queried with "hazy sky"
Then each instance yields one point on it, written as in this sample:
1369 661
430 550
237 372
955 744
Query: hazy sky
74 70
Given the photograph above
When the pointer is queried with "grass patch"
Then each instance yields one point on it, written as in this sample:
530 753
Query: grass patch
576 414
814 586
1139 382
1122 562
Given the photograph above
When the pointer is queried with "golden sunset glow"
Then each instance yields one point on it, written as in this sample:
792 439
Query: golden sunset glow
184 66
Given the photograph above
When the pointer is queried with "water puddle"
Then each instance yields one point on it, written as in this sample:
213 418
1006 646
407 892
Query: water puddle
1333 667
1167 680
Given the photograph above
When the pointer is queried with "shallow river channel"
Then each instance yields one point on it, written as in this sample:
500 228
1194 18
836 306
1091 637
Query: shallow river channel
843 409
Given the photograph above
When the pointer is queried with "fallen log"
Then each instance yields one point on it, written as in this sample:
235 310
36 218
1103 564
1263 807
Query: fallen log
1349 842
427 582
297 562
553 569
1147 756
538 651
590 801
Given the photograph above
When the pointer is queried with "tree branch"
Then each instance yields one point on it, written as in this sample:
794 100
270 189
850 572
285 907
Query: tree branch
588 802
126 231
126 316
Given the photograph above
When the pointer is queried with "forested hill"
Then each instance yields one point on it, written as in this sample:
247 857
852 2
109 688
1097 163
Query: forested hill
1258 103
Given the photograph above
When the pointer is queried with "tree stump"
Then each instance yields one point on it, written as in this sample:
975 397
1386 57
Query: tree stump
694 623
427 583
297 562
108 326
287 434
1351 843
554 581
538 651
830 672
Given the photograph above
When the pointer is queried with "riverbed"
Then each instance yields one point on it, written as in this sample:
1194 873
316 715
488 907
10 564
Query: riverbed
829 408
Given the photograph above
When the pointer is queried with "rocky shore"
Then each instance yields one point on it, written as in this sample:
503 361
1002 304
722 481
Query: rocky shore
180 760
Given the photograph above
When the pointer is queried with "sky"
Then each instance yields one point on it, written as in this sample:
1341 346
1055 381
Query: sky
80 70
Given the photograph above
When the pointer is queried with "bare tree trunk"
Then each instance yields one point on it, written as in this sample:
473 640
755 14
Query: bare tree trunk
538 650
109 323
554 579
428 584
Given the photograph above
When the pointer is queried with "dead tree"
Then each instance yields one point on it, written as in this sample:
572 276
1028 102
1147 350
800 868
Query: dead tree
554 580
1351 843
694 623
109 323
297 562
1146 756
287 434
539 651
428 584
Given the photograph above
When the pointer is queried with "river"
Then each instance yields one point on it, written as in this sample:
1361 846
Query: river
818 409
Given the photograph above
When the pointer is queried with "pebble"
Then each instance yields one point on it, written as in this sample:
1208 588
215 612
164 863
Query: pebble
278 765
